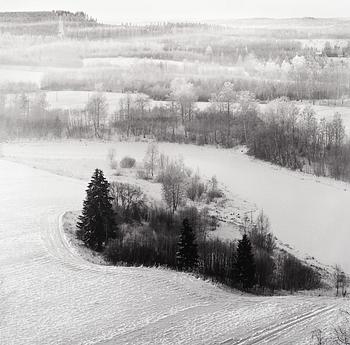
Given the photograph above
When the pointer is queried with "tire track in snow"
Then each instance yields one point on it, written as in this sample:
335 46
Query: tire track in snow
274 331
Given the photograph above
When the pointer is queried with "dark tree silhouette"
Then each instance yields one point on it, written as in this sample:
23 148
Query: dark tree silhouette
96 224
187 254
244 265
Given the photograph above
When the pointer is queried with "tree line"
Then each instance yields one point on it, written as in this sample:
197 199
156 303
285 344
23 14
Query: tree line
298 78
284 133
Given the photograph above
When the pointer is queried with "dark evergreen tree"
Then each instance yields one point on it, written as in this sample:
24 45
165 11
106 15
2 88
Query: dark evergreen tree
187 253
96 224
244 265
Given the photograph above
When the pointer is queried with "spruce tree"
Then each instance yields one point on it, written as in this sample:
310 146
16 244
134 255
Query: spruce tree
244 265
96 224
187 254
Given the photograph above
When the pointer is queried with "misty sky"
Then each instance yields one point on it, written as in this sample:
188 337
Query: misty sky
130 10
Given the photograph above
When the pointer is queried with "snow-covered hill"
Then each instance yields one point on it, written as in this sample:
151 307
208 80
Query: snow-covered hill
50 295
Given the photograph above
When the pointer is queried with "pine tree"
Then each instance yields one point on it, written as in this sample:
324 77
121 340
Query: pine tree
244 265
96 224
187 255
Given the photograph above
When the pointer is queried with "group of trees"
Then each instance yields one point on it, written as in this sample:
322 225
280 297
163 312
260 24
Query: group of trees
132 30
298 78
117 220
294 138
23 116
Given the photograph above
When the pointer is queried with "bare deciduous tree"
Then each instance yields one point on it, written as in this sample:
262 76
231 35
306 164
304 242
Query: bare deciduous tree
128 200
97 108
173 184
184 93
151 159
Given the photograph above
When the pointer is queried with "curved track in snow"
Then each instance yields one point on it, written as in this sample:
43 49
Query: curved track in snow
50 295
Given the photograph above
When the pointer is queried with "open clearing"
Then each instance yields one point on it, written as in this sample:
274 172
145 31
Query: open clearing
49 295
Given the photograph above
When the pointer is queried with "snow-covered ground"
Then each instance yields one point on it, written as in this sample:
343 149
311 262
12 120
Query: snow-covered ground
20 74
50 295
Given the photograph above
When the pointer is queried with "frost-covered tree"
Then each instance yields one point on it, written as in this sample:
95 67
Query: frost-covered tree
23 105
151 159
2 104
227 96
39 105
96 224
245 265
97 108
339 279
173 181
184 93
142 103
187 255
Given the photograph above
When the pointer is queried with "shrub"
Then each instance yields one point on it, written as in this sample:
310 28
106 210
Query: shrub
142 174
152 251
127 162
213 190
217 260
195 188
293 275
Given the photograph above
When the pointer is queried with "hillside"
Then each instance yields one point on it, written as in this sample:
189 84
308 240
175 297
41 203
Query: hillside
42 22
50 295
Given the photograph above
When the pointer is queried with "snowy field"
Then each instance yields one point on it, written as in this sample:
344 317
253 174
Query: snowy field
50 295
20 74
309 213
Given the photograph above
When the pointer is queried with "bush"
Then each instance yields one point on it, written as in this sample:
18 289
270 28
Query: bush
294 275
127 162
142 174
213 190
217 260
149 251
195 188
130 252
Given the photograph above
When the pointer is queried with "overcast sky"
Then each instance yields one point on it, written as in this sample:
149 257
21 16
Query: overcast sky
131 10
